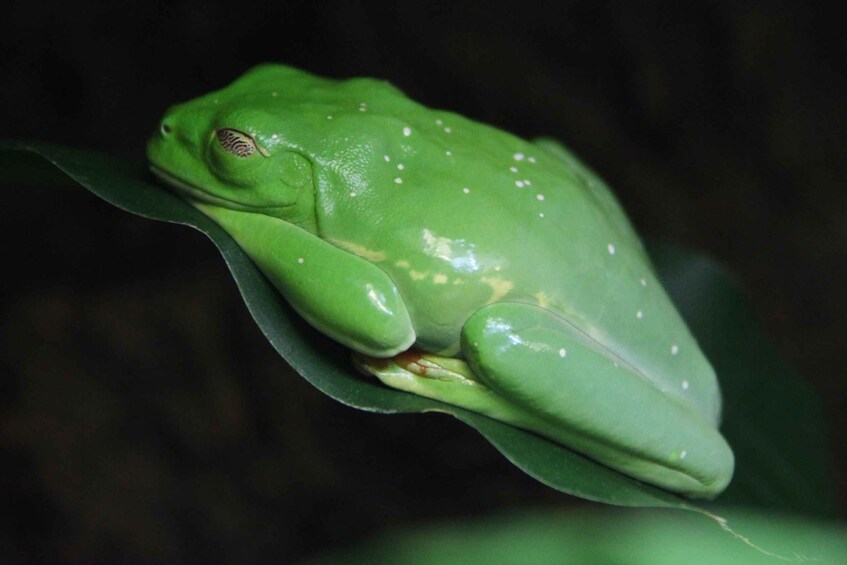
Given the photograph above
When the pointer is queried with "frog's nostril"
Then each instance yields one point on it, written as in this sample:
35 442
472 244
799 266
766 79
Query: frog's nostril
166 129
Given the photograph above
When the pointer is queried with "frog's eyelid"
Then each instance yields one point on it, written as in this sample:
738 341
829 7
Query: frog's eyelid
239 143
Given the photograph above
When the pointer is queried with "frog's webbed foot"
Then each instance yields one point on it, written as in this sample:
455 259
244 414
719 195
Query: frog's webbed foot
417 363
592 401
433 376
446 379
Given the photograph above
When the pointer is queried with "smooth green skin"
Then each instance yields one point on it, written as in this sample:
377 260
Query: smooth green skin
389 225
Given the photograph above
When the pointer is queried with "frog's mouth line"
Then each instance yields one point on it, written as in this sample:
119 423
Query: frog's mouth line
193 192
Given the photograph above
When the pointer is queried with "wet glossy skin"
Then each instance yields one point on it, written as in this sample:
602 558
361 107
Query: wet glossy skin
388 225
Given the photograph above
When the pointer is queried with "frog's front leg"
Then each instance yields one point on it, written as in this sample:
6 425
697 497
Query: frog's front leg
341 294
594 401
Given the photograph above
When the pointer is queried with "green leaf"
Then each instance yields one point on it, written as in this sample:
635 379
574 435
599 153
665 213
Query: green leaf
657 537
771 418
326 365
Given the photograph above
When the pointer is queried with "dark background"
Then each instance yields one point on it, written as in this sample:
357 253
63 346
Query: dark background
143 418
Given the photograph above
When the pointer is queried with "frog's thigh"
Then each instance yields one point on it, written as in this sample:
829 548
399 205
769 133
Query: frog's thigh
344 296
594 402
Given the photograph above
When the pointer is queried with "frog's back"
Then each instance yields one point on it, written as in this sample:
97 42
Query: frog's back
461 214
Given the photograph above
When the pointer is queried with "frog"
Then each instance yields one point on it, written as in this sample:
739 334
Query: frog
456 261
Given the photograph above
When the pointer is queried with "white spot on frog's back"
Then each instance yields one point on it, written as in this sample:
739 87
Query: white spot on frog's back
611 248
674 349
407 131
518 156
300 260
440 279
684 385
563 353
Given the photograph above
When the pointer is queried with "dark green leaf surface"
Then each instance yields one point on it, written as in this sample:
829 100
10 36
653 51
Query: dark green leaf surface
768 411
771 419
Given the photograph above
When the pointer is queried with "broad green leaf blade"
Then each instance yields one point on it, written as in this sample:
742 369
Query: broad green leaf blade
325 364
772 419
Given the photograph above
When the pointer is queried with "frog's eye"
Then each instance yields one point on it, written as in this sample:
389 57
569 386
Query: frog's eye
238 143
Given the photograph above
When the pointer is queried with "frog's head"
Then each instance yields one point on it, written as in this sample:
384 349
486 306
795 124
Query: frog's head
227 149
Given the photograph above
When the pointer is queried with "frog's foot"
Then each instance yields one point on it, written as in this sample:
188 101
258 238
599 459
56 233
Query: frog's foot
445 379
422 373
415 362
592 401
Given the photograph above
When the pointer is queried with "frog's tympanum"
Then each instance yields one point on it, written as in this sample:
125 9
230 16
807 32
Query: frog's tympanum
459 262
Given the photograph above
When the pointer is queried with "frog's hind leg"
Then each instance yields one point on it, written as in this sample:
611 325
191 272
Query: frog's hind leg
592 401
